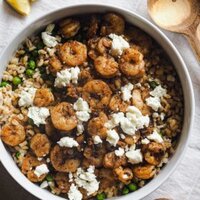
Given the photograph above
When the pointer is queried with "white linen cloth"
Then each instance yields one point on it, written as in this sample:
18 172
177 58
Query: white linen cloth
184 183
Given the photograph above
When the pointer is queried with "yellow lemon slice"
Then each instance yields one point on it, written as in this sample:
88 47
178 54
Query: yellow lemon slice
21 6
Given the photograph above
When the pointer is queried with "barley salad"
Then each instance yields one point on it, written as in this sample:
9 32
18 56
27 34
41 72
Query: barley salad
91 107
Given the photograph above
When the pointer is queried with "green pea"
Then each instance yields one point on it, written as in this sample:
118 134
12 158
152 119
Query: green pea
4 83
49 178
31 64
125 191
17 154
132 187
153 84
101 196
16 80
29 72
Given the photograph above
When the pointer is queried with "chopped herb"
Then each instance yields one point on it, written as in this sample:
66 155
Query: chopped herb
17 154
49 178
101 196
153 84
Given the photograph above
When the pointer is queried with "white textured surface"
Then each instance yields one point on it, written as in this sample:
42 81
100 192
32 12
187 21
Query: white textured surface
184 183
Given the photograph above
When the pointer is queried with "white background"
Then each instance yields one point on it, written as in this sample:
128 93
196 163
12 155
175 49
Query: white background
184 183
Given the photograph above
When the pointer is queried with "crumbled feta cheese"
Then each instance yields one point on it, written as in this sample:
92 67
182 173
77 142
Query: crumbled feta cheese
81 105
68 142
118 44
97 139
66 76
70 177
126 91
128 127
155 136
74 193
158 91
154 103
112 137
116 118
122 136
83 116
145 141
39 158
40 170
134 156
87 180
27 97
119 152
74 74
80 128
44 184
38 115
63 78
162 116
49 40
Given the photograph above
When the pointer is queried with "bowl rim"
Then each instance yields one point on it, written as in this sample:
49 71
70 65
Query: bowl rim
43 194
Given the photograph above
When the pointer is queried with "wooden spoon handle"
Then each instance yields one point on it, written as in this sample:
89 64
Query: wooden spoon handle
193 35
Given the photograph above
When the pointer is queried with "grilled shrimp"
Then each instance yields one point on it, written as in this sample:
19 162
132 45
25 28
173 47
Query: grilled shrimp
73 53
144 172
124 175
29 164
62 182
63 117
103 45
69 27
40 145
132 63
63 159
116 104
113 161
49 128
94 156
105 66
93 27
112 23
138 101
152 158
54 65
13 133
97 93
43 97
96 126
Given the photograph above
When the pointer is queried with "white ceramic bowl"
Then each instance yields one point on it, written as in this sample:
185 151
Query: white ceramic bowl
152 30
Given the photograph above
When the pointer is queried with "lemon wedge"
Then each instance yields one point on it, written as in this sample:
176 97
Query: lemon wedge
21 6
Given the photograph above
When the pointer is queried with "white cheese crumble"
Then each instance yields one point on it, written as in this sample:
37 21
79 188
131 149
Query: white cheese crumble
40 170
155 136
119 152
74 193
38 115
70 177
87 180
44 184
64 77
49 40
97 139
83 116
83 110
122 136
134 156
118 44
126 91
80 128
157 93
67 142
27 97
81 105
112 137
162 116
145 141
130 123
154 103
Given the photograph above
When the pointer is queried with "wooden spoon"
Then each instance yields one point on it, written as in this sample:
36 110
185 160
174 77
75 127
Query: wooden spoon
181 16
